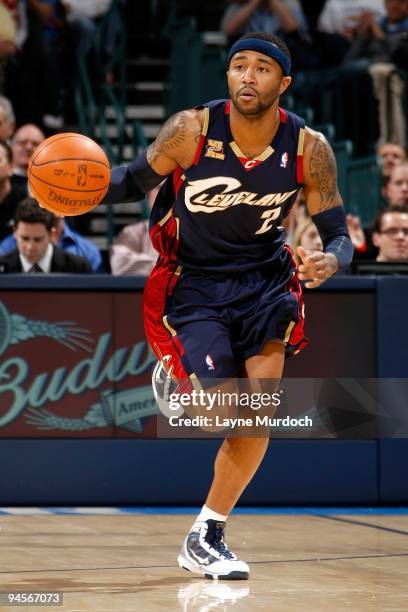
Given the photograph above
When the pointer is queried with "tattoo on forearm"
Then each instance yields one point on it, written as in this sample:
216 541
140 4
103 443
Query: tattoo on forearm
323 172
170 138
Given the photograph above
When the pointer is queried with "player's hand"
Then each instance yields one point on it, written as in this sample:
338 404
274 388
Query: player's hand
316 267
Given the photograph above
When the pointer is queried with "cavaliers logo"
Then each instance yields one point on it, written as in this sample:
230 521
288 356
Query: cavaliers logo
82 175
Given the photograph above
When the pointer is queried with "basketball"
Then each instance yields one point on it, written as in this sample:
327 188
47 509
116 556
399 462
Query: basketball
68 174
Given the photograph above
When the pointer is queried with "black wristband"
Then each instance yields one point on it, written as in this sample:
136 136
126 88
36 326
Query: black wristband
332 227
143 174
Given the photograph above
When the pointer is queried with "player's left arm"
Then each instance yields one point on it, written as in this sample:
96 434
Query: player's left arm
326 209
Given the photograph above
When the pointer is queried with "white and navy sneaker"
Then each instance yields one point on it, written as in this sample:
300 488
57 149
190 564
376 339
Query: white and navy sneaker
205 552
164 385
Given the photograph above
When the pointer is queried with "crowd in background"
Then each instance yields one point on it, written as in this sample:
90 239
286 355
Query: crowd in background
39 43
16 148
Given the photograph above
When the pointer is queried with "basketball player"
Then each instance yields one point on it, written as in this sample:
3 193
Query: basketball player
224 297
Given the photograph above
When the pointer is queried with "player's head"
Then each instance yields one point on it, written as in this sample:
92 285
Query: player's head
396 188
258 72
25 140
6 158
7 119
390 234
34 229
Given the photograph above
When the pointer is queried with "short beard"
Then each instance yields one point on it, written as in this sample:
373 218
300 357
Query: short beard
258 110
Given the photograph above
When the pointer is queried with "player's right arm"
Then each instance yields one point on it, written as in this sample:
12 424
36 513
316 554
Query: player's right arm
325 206
175 146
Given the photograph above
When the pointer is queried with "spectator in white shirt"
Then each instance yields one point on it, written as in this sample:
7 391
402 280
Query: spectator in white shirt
132 252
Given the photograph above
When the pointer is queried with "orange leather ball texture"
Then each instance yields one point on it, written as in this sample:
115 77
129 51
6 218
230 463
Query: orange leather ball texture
68 174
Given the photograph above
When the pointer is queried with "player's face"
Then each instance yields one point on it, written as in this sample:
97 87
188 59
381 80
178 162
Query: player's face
32 240
26 139
392 241
5 165
396 190
391 155
255 82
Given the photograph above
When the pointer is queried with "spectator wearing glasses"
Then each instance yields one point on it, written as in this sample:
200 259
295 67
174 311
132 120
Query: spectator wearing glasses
25 140
390 234
395 194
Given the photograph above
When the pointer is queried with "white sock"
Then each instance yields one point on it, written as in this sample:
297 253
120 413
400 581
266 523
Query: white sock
206 514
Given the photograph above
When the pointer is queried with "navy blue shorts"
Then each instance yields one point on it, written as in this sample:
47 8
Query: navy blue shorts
208 324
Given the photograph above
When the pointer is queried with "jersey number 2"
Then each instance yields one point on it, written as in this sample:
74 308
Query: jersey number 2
270 216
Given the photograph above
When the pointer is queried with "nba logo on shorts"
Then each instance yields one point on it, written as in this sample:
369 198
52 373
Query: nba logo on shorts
209 362
284 160
82 175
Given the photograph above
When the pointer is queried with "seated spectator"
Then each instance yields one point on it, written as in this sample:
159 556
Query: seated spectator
339 23
376 48
25 140
390 234
68 240
390 155
307 236
72 242
34 231
395 190
10 195
395 193
7 119
132 252
282 17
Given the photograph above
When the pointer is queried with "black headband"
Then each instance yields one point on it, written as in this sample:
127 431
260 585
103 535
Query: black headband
262 46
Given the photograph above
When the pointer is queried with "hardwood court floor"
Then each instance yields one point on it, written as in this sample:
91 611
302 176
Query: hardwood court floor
299 563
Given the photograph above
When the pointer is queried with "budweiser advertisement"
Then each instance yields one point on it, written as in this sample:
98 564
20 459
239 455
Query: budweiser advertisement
74 364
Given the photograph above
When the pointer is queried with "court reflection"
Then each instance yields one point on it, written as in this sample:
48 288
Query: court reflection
204 595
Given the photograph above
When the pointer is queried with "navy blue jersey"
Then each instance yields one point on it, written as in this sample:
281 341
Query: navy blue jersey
224 213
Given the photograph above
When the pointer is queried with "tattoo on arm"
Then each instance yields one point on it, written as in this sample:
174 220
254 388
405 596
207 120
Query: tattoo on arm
323 172
170 138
